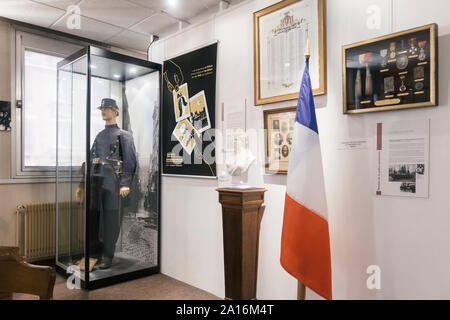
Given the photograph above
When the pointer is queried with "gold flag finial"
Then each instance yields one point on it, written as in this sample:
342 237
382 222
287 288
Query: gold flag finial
307 52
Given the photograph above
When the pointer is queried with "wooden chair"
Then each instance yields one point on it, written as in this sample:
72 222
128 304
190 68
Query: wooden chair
17 276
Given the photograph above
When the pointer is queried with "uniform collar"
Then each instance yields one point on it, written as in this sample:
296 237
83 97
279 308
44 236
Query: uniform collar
110 126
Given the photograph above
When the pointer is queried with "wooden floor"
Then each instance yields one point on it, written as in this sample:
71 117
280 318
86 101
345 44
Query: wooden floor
155 287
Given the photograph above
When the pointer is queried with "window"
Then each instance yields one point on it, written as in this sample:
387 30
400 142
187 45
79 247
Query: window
34 114
72 111
39 112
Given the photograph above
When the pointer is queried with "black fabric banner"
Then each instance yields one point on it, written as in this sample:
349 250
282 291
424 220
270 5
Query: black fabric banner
188 113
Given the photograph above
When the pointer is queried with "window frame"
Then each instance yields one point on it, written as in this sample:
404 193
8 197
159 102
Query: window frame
23 40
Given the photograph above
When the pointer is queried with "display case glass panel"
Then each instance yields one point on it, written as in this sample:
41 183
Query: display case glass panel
396 71
108 168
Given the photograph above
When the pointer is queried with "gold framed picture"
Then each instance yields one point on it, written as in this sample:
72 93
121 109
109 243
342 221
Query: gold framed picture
279 34
396 71
279 129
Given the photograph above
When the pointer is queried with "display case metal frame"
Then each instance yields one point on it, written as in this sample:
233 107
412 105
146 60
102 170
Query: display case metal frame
86 283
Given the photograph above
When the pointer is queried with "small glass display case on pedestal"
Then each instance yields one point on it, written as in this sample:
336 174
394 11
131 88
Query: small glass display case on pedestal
108 167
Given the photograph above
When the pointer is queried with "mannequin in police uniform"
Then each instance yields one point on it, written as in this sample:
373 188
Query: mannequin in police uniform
113 165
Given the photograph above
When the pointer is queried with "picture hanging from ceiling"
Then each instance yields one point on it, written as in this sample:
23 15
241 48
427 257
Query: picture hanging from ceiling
280 34
189 102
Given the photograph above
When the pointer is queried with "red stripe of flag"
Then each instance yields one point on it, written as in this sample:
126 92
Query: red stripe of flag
305 247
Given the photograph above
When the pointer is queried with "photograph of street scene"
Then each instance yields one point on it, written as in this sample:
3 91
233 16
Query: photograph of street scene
402 173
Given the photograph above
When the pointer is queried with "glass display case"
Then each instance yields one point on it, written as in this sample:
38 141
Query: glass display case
391 72
108 167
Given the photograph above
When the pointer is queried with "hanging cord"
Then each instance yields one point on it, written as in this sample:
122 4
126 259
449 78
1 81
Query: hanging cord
154 39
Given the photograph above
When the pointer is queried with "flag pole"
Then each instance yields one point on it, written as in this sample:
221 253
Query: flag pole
307 51
301 289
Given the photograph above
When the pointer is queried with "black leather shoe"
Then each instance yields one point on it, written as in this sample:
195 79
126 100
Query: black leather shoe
106 263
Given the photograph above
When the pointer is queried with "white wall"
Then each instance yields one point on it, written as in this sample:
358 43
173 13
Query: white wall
408 238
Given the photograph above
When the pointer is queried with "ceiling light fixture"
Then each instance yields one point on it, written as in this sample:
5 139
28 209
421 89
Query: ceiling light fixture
172 3
116 76
133 70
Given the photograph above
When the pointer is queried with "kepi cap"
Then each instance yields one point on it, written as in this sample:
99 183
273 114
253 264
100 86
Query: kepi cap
109 103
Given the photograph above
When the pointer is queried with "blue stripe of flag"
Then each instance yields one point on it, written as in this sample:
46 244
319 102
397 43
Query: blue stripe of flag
306 111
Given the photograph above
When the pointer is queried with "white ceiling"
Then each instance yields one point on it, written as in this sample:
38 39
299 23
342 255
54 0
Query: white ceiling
123 23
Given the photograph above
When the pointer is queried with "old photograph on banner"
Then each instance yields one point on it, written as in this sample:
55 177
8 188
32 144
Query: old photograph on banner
188 113
402 158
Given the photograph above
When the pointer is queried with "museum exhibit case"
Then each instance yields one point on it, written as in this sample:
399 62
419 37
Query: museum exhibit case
392 72
108 167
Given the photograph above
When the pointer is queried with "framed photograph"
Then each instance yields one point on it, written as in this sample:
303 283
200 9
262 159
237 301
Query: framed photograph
5 116
181 103
397 71
279 128
185 134
279 35
200 114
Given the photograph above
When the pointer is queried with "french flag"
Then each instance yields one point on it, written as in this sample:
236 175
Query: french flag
305 240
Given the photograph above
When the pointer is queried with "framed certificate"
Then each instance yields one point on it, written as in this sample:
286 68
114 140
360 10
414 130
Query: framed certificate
279 129
397 71
280 34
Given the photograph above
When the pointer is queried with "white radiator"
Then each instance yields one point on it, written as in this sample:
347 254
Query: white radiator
36 232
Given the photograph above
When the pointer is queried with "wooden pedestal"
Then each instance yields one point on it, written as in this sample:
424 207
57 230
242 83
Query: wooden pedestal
241 216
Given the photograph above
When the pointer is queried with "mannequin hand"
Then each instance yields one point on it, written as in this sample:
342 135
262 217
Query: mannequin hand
79 194
124 191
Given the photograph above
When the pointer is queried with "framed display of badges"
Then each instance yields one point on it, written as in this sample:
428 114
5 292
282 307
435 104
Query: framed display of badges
279 130
397 71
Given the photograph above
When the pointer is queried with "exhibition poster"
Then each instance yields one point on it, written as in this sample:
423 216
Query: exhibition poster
188 115
402 158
